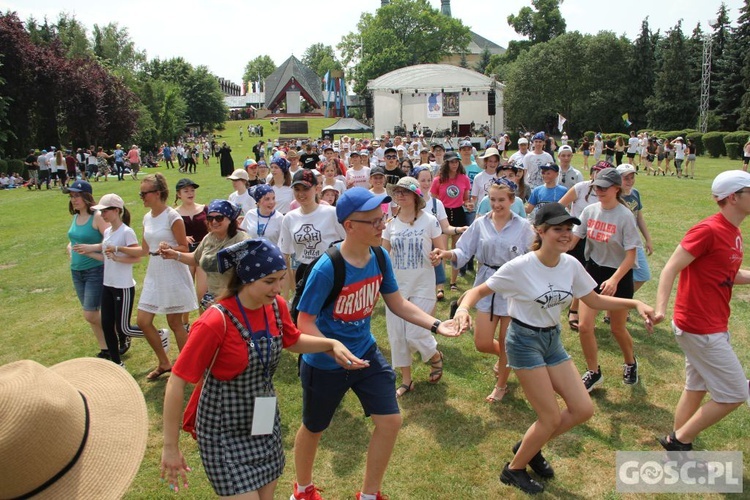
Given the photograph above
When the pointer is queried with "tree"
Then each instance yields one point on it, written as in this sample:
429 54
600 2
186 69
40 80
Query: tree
639 84
484 62
72 35
401 33
720 39
540 25
258 69
114 48
321 59
205 101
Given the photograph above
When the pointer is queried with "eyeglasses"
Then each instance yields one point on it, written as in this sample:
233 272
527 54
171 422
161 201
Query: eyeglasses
217 218
143 194
390 157
375 223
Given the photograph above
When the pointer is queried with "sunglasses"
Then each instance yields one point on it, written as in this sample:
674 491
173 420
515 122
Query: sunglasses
143 194
390 157
217 218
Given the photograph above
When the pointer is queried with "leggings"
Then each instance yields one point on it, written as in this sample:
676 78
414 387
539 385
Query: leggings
116 307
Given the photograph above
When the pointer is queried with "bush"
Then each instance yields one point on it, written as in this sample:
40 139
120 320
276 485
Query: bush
3 167
590 134
16 166
615 135
514 136
740 137
714 143
697 139
734 150
674 134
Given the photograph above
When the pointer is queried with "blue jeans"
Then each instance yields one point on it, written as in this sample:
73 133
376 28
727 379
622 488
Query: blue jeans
88 284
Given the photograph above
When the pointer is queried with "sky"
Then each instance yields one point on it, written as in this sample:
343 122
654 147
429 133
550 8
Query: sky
225 34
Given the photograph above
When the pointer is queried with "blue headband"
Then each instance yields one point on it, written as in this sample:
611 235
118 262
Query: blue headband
502 181
253 259
225 208
259 191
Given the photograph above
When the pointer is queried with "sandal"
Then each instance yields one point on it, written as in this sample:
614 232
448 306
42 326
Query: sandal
454 287
440 294
404 388
497 394
573 323
437 369
158 372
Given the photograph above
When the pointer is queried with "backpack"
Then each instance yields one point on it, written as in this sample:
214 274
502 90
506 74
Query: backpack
339 275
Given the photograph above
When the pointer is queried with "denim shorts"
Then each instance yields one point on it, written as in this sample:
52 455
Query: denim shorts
88 285
527 349
323 390
642 272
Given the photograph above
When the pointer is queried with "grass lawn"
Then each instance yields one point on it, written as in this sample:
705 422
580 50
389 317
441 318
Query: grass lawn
453 444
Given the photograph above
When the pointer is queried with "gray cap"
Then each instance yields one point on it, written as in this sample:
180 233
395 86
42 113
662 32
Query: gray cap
607 177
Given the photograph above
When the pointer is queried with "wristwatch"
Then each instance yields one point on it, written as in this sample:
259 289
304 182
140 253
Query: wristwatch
435 326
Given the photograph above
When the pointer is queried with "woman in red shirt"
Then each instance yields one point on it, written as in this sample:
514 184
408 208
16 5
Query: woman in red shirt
453 187
236 344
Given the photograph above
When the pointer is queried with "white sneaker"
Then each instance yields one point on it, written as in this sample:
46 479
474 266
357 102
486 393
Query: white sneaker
164 336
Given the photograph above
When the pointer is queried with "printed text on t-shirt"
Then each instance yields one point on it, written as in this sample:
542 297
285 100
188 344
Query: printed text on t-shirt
600 230
357 300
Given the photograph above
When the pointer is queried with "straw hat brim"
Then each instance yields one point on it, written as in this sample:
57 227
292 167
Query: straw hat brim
117 433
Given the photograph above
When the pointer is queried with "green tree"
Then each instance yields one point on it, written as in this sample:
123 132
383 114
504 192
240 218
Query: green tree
674 105
639 84
541 24
484 62
114 48
163 111
259 69
321 59
72 34
205 101
173 70
720 39
401 33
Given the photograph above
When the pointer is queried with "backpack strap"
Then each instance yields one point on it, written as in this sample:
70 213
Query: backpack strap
339 275
279 323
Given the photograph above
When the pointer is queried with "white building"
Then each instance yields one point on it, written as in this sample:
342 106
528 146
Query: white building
435 95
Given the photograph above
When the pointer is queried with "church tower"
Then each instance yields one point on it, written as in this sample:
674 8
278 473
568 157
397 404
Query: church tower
445 7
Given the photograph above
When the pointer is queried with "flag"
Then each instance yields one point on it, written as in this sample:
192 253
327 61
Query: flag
560 121
625 119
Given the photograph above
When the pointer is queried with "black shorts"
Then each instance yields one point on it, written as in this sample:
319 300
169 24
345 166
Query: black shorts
578 251
631 155
601 274
456 216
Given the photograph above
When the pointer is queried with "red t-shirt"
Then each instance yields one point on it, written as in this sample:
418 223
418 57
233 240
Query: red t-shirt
207 334
452 192
705 286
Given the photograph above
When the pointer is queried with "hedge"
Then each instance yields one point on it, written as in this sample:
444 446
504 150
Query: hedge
697 139
740 137
17 166
3 167
733 150
714 143
590 134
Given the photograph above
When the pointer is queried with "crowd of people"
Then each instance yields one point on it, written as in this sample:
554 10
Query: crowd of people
311 234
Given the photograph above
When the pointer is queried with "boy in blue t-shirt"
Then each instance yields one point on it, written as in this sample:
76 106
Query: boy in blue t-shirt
324 383
549 192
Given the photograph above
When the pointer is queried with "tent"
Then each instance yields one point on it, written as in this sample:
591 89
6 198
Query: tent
346 126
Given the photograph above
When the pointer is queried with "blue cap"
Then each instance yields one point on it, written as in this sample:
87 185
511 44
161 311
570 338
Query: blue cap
539 136
550 166
358 199
79 187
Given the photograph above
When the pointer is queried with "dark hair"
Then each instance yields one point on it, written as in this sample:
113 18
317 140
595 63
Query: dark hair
233 287
88 199
287 178
160 184
445 171
125 216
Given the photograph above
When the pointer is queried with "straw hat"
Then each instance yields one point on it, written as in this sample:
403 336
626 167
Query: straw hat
61 429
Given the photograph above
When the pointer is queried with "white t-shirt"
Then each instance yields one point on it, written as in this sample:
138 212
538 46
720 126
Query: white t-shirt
410 254
118 274
284 197
435 207
516 157
536 293
532 162
679 151
359 178
338 185
481 184
633 144
582 190
267 227
309 235
245 201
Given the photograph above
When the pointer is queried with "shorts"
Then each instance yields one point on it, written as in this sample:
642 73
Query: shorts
642 272
323 390
691 157
586 152
746 160
440 274
528 348
660 157
602 274
649 158
631 155
579 251
678 163
88 284
711 365
456 216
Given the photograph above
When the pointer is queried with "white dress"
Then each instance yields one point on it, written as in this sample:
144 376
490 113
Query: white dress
168 287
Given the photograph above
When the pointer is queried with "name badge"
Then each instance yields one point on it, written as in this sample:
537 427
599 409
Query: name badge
264 415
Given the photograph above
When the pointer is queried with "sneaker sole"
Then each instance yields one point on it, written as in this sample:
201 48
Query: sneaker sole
510 482
596 384
637 379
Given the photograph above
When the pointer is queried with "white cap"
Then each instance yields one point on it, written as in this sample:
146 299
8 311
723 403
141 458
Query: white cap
625 169
109 201
238 174
565 148
729 182
523 140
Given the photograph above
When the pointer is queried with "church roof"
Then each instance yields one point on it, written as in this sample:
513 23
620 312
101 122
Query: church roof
305 80
478 43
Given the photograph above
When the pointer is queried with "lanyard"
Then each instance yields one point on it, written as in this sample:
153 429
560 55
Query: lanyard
262 229
267 333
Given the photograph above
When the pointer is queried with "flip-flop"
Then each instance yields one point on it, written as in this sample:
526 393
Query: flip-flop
158 372
573 323
406 387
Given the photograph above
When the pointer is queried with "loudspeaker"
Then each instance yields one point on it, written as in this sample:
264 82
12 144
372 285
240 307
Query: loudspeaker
491 103
369 106
454 127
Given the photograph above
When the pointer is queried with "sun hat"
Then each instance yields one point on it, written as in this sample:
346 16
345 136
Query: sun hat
330 188
252 259
607 177
183 183
358 199
729 182
110 200
79 187
239 174
490 152
304 177
409 184
292 154
554 214
625 169
58 435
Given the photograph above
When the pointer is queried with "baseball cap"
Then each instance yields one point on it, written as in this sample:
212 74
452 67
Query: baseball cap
389 149
239 174
110 200
358 199
539 136
354 153
465 144
625 169
490 152
451 155
601 165
523 140
378 170
304 177
437 145
729 182
183 183
564 149
554 214
607 177
79 187
550 166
